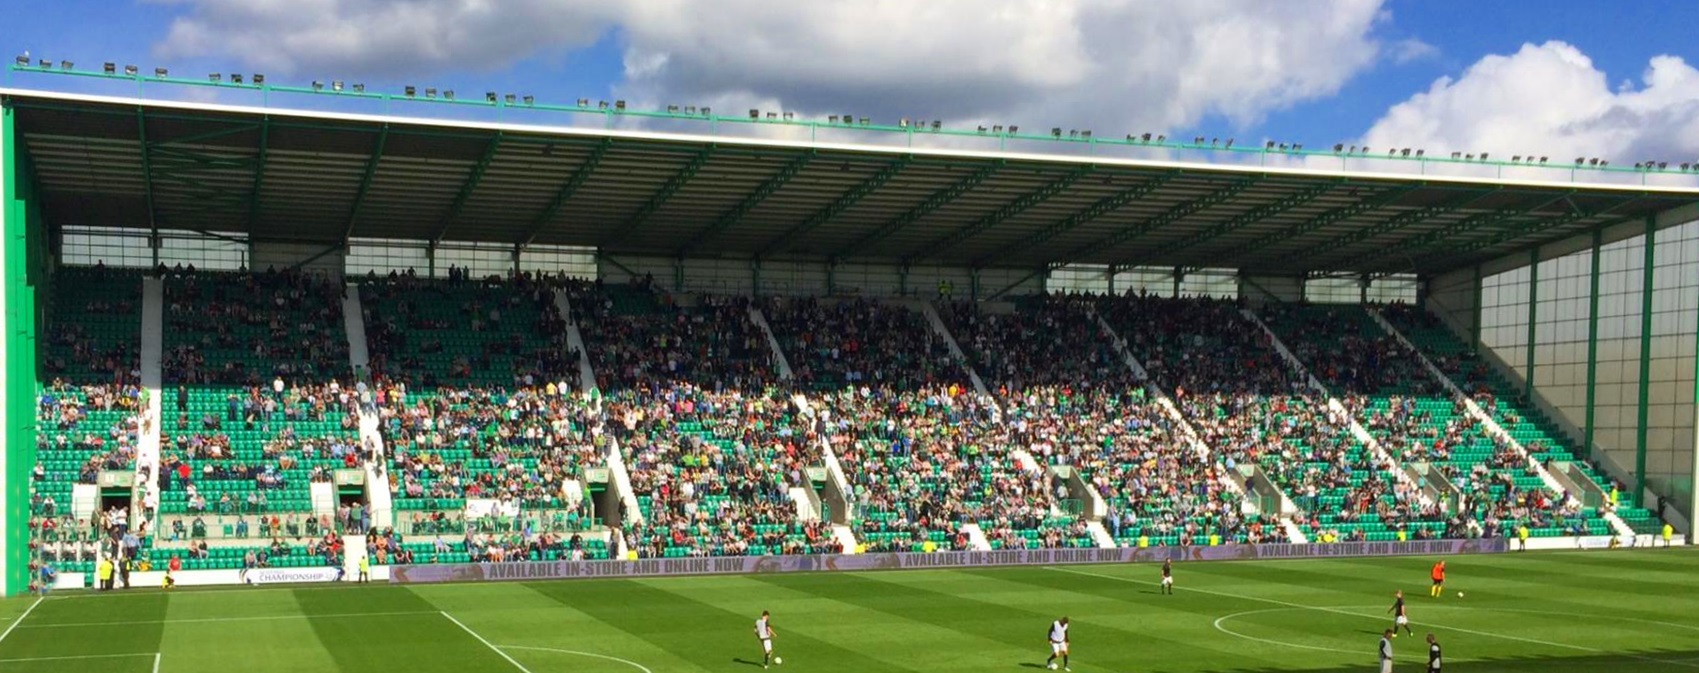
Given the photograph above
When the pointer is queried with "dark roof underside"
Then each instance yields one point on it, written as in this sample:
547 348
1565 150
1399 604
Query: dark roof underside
302 178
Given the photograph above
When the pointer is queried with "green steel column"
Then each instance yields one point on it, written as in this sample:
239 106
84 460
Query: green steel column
1644 416
1592 345
1480 292
1533 320
19 342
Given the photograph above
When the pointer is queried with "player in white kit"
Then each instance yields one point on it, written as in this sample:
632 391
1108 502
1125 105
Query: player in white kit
764 632
1058 644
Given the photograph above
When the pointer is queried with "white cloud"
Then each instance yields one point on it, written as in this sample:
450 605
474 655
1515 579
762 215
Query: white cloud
1550 99
1116 65
1411 49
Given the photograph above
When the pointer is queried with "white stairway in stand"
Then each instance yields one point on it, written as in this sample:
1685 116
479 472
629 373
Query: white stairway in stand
379 499
1338 410
976 537
844 534
943 332
1487 421
784 364
575 341
153 381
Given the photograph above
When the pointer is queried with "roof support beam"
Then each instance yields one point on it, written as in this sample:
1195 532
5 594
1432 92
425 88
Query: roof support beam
570 187
1232 257
1244 219
843 203
749 202
1103 206
937 200
1002 214
259 176
366 182
147 176
1442 234
1167 217
1401 221
1527 227
668 190
466 189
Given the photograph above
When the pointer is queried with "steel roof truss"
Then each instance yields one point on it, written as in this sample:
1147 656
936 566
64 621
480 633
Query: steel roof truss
1173 214
466 188
570 187
1236 223
837 207
1103 206
1002 214
365 182
937 200
666 193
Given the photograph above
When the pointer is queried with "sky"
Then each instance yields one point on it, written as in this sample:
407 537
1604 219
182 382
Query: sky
1613 79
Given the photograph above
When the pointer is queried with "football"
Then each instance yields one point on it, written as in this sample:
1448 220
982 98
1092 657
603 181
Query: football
778 660
1459 594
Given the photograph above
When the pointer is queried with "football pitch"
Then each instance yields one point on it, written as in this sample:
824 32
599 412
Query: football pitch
1547 612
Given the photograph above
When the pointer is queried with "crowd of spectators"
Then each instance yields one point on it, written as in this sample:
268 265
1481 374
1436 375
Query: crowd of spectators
245 328
464 332
834 344
104 442
713 343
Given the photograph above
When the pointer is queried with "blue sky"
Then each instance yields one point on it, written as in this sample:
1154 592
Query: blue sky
1317 72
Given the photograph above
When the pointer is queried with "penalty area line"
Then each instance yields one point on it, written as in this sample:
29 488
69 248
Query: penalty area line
21 618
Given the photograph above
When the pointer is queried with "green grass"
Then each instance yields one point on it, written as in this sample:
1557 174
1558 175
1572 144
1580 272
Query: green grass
1547 612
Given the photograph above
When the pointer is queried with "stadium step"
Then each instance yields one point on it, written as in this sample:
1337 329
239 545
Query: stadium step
760 320
943 332
976 537
153 381
807 505
846 538
1100 535
354 325
575 341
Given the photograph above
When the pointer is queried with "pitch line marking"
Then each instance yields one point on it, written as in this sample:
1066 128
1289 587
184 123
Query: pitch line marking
486 643
1282 643
83 656
156 656
628 662
20 618
265 618
1300 606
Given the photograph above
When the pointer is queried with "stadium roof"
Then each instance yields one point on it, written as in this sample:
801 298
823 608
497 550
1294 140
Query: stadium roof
309 176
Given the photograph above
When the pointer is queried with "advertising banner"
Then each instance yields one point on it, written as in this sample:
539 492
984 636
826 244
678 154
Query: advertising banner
290 575
724 565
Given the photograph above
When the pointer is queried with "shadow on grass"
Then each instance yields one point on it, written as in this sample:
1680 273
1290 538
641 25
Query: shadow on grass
746 662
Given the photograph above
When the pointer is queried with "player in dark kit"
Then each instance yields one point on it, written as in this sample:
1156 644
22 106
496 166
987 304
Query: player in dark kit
1168 577
1433 654
1399 617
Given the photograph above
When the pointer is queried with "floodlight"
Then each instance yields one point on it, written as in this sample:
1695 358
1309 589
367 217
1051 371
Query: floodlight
1468 157
23 59
1516 158
754 113
1297 147
866 121
583 102
1229 144
1214 141
318 85
1636 165
490 96
1603 163
601 105
1014 129
619 105
1419 153
690 109
259 78
529 99
1365 149
1073 133
1056 131
789 116
1457 155
1406 152
66 65
1145 137
409 90
1161 139
1663 165
902 123
45 64
1593 161
1542 160
214 77
1580 160
359 88
235 78
672 109
1684 166
1130 137
509 98
771 116
938 125
128 70
982 129
1268 145
448 93
831 119
1197 140
1392 153
709 112
430 92
1483 156
997 129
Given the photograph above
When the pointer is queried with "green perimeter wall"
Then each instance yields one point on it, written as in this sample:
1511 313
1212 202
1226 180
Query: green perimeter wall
24 255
